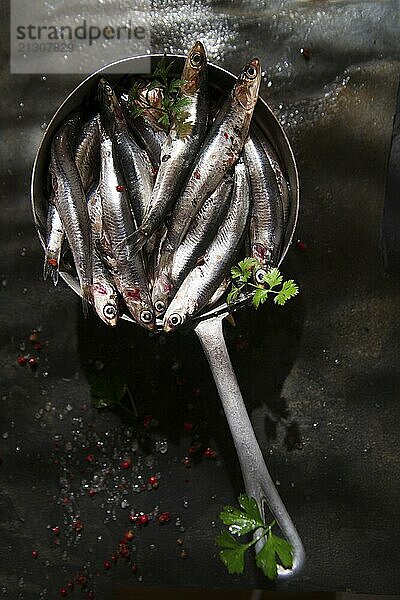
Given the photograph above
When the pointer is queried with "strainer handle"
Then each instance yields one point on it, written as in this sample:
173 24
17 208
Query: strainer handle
257 480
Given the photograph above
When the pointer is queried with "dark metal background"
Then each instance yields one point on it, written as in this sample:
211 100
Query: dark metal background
321 376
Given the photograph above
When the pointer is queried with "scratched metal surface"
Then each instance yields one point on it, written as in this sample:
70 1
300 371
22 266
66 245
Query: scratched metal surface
321 377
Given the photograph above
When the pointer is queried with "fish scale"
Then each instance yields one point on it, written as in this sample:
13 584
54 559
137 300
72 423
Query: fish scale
86 153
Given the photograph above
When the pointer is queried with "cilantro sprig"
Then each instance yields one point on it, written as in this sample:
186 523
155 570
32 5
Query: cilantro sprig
171 106
274 551
272 284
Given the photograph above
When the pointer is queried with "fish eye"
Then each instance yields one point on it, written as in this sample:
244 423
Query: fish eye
109 311
260 275
196 59
251 72
175 320
108 90
159 306
146 316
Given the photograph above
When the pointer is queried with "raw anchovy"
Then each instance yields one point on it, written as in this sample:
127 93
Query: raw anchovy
195 243
136 167
266 222
87 154
126 266
219 152
70 201
105 296
179 149
219 293
54 240
148 135
276 165
204 280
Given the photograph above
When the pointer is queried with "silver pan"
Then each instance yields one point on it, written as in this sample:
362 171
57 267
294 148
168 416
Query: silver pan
208 324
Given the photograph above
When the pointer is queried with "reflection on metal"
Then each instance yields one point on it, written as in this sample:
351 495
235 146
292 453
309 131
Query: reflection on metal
257 480
208 324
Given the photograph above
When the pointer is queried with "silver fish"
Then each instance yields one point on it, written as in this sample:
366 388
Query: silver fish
146 133
54 240
126 266
219 293
105 295
135 164
204 280
276 165
219 152
266 222
70 202
195 243
87 154
179 151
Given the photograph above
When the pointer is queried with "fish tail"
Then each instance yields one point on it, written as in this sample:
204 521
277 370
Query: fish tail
50 267
87 298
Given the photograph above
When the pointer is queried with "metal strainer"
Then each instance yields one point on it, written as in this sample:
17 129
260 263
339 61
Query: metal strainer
207 324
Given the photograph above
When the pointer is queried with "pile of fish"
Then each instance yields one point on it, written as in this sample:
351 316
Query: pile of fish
154 220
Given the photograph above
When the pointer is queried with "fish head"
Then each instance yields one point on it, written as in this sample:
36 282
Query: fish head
108 102
161 294
248 85
140 310
195 69
179 311
105 302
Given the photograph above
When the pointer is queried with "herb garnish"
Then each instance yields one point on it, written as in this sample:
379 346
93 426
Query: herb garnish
171 107
112 392
243 272
275 550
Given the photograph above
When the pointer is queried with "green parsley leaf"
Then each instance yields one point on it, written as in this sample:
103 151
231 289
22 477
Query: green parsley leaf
175 85
245 267
273 277
240 522
236 272
179 104
183 129
107 391
283 549
232 553
137 111
154 85
259 297
164 120
250 507
265 559
289 289
233 294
